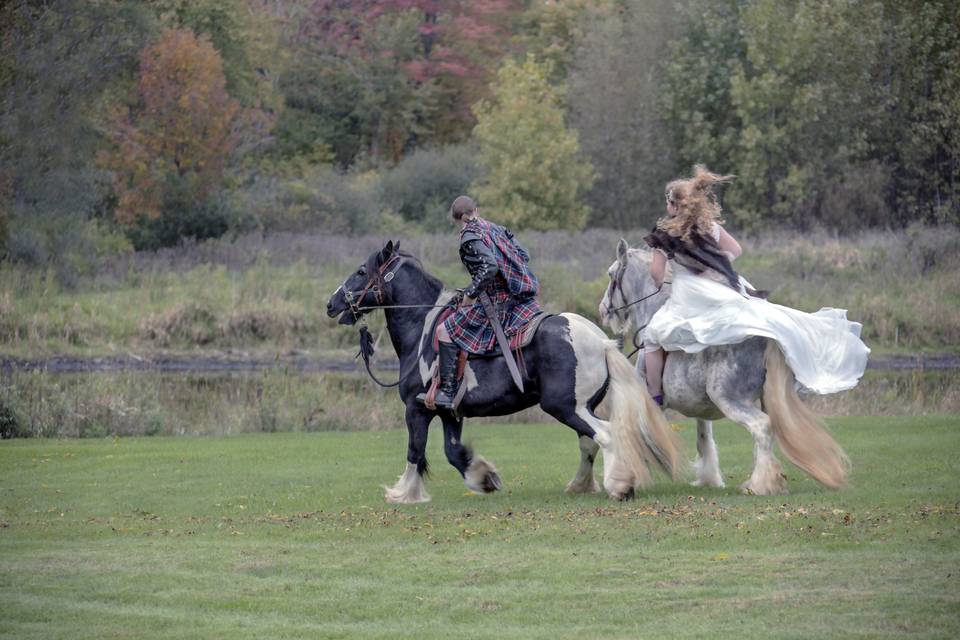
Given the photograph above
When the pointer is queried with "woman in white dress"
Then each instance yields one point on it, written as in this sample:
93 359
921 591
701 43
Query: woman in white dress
710 304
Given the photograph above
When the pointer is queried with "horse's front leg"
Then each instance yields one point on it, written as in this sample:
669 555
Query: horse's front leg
767 477
707 464
584 481
478 474
409 488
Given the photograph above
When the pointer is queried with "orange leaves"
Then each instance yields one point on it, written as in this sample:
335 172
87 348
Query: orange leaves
182 127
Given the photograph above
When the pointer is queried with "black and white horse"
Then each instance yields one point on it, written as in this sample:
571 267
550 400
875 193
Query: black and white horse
570 366
749 382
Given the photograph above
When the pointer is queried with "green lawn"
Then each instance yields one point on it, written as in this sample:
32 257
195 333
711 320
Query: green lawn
287 536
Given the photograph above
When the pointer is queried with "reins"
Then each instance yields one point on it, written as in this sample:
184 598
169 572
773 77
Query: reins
630 304
375 284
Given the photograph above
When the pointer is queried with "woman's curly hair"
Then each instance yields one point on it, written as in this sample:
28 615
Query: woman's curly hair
697 206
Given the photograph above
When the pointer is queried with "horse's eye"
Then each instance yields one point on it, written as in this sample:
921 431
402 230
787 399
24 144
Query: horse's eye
363 270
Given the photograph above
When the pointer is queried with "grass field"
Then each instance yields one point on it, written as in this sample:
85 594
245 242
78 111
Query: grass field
286 535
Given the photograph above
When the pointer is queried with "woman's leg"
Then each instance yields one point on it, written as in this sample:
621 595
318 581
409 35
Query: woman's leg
653 361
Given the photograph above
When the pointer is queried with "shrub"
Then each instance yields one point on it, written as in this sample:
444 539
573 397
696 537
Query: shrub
422 185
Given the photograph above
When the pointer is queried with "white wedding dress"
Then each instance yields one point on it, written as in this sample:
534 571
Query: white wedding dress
823 349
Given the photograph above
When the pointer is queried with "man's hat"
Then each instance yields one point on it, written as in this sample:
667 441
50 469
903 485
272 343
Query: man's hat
462 206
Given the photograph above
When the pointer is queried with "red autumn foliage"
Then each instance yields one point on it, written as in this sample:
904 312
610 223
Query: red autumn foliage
182 126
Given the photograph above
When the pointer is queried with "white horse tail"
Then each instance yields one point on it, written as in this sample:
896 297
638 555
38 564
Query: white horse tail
803 438
638 423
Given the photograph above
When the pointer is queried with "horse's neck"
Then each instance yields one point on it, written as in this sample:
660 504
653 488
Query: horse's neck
405 326
643 286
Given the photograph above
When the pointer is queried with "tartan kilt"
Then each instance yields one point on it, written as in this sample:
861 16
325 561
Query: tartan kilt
471 331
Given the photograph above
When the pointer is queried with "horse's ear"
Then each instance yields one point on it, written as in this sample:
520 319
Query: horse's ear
387 250
622 248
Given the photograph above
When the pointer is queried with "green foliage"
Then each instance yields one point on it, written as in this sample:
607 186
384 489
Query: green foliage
534 175
355 96
552 31
183 218
921 57
241 34
58 62
317 197
706 53
841 114
614 91
422 185
807 101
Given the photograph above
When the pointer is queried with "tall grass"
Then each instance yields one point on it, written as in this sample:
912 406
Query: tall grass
37 403
268 292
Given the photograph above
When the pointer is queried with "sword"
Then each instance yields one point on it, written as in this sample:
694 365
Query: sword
491 312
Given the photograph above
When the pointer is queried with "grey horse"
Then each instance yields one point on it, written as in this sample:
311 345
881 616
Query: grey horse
749 383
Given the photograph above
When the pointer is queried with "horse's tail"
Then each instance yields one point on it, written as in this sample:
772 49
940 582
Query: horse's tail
803 438
637 422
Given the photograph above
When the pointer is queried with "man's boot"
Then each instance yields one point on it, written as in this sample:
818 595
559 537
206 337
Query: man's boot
448 376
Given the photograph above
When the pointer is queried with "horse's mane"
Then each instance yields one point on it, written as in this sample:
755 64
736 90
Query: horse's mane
433 280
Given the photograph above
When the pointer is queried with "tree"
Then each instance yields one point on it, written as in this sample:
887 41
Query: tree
381 77
534 174
922 138
614 101
174 141
58 61
808 103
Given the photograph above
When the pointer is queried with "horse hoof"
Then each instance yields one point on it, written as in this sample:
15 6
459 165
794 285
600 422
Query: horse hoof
481 476
491 483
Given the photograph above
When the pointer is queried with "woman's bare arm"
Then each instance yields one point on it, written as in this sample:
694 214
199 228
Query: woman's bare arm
728 244
658 267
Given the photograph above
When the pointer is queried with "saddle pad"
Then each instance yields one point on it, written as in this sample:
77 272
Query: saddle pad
519 340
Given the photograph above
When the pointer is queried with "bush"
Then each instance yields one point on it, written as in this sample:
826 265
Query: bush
9 424
182 218
422 186
320 197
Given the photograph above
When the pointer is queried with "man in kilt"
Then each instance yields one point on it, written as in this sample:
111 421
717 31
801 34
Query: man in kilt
498 265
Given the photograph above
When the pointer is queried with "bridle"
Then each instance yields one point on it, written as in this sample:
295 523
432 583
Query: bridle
354 299
616 284
375 284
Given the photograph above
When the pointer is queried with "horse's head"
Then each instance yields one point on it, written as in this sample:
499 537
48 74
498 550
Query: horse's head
631 297
366 288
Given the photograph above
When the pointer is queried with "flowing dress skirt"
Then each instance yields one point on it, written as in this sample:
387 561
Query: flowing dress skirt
823 349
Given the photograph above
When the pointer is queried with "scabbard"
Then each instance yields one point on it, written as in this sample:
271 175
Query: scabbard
491 312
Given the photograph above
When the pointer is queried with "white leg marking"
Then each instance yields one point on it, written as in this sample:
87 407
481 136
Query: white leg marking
584 482
707 464
767 477
409 488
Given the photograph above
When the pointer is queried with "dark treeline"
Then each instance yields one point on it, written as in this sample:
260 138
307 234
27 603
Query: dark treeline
128 125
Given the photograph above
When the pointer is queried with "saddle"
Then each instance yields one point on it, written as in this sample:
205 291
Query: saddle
517 342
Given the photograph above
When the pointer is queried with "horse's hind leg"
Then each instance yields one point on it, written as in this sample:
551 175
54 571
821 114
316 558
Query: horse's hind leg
478 474
409 488
584 482
707 465
767 477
